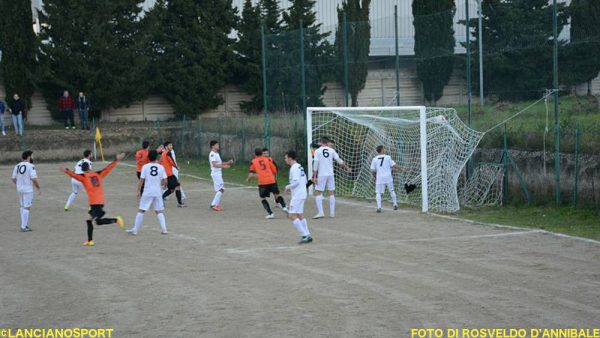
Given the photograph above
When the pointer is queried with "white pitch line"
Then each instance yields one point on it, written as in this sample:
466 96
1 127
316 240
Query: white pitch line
433 239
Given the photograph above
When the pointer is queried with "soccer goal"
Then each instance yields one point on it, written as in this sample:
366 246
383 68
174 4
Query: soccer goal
431 144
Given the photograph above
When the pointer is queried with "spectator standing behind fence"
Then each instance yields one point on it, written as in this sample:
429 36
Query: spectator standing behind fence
2 110
83 107
66 105
17 108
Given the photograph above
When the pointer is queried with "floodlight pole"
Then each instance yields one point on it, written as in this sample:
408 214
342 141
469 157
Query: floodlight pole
397 56
555 84
480 23
469 93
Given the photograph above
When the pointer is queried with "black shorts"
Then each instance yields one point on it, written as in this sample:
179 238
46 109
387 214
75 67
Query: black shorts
265 191
172 182
138 174
97 211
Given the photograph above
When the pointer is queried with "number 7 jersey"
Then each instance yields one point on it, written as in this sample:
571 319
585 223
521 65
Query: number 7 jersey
382 165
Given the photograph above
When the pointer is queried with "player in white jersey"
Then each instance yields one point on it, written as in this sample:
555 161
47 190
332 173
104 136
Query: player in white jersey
77 186
297 188
323 176
216 173
382 167
25 178
153 178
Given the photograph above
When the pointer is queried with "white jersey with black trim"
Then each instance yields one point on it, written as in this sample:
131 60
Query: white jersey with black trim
79 165
153 174
215 157
382 165
24 172
297 182
323 161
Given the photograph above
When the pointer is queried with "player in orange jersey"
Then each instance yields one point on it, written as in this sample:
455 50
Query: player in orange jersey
92 181
141 158
173 185
263 168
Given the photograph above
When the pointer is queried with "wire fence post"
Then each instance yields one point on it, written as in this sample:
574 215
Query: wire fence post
266 136
470 166
576 180
182 136
505 164
200 143
345 30
243 136
397 56
555 84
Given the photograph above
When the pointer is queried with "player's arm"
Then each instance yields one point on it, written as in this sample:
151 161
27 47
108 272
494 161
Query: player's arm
251 172
374 168
316 166
78 177
111 166
36 182
395 166
139 186
14 175
172 160
340 162
224 165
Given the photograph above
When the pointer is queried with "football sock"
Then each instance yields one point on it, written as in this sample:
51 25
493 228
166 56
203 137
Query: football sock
217 199
90 229
178 194
162 221
393 195
299 226
305 227
167 193
266 206
378 199
70 199
24 218
332 205
281 201
319 202
139 218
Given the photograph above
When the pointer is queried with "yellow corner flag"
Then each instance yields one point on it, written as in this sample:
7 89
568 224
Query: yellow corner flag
99 141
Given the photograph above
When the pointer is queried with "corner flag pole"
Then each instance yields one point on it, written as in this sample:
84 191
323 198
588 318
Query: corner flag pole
99 141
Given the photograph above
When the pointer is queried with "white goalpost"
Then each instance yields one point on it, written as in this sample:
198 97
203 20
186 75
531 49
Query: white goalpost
431 144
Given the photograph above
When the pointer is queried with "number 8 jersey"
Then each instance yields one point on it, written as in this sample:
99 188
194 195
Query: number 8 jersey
153 174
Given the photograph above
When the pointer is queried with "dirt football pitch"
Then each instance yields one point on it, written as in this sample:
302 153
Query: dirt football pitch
236 274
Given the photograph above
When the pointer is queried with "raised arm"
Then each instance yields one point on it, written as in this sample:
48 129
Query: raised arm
111 166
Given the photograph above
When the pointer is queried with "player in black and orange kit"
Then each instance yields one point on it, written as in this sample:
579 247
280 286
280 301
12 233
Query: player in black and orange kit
141 158
264 168
173 185
92 181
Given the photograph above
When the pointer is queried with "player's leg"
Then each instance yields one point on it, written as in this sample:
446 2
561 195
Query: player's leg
264 193
274 189
25 200
390 186
170 187
331 190
75 187
178 194
319 188
159 208
219 187
379 189
176 173
98 215
296 210
145 202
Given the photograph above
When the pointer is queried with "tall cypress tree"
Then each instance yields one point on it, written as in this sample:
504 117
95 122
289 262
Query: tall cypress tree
318 54
96 47
434 44
580 61
249 56
193 52
358 33
17 43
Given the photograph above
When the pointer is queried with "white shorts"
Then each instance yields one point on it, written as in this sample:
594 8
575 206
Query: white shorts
296 206
76 186
155 201
325 182
218 183
25 199
380 188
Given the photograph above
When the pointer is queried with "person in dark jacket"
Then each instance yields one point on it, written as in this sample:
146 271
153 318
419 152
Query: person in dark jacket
83 107
2 110
66 105
17 108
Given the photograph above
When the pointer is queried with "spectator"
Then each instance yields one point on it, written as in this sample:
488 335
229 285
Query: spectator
2 109
83 107
66 105
17 109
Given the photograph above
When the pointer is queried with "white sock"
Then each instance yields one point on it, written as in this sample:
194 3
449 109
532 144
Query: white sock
299 226
217 199
305 227
378 199
393 195
139 218
70 199
24 218
162 221
332 205
319 201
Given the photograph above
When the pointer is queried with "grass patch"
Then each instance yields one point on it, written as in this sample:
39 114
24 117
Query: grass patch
564 220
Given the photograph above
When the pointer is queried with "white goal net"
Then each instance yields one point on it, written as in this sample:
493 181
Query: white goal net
431 144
